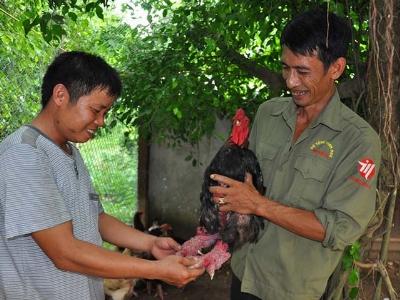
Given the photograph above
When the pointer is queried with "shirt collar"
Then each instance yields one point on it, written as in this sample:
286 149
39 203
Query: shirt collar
278 110
331 116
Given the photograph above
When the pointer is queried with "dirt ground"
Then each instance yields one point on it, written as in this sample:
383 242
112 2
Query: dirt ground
218 288
202 289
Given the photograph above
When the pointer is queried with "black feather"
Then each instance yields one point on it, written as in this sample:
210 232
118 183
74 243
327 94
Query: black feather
231 161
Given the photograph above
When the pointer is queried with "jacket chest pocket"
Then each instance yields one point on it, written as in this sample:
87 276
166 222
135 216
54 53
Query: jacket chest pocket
266 155
309 182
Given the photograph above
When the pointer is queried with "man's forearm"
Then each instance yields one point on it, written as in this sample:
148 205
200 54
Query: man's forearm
299 221
70 254
117 233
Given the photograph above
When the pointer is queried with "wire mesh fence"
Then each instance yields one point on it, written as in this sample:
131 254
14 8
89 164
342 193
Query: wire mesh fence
111 159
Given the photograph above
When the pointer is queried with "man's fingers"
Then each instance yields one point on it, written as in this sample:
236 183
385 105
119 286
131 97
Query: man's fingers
223 179
218 191
195 267
196 272
174 244
190 262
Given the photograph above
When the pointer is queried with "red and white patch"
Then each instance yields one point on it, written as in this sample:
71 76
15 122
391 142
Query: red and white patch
366 168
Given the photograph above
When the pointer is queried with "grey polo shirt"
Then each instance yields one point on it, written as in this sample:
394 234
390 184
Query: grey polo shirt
41 187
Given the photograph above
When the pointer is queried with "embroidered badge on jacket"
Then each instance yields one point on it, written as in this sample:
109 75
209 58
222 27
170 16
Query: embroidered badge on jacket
366 168
323 149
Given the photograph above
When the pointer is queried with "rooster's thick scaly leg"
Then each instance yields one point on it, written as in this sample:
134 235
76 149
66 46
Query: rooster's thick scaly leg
214 259
201 240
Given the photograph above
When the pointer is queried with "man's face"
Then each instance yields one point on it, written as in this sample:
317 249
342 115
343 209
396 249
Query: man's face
78 122
306 78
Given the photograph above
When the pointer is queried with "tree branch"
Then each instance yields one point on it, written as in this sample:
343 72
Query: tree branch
351 88
378 266
274 80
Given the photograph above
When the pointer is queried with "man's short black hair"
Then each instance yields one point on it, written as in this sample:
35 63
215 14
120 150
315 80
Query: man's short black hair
80 73
316 31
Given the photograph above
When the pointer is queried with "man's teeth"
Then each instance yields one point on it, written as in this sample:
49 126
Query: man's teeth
91 131
298 93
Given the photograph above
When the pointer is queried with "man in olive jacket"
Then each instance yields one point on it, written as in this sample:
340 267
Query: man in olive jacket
319 161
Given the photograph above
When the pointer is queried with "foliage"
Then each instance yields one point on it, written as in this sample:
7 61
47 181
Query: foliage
196 62
193 62
351 255
52 15
22 58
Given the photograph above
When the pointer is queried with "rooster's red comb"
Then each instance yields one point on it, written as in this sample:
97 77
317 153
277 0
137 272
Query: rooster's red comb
240 128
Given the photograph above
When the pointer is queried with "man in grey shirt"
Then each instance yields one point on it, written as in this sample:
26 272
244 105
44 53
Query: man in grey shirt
51 221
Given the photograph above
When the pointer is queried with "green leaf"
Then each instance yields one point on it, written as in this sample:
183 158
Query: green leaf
99 12
85 23
65 9
44 19
27 26
58 19
177 112
73 16
353 293
57 31
353 277
48 37
347 262
90 6
113 123
355 250
211 45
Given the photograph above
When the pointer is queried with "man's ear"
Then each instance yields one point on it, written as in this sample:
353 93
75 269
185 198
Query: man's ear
337 68
60 94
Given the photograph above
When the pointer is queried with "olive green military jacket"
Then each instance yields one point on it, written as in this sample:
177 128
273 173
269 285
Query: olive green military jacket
331 170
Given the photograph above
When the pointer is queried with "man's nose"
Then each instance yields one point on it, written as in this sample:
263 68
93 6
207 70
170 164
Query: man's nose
292 79
100 120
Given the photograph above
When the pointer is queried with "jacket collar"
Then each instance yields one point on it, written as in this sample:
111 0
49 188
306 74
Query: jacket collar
331 116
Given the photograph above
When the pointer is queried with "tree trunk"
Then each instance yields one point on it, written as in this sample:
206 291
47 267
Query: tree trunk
383 87
383 93
382 109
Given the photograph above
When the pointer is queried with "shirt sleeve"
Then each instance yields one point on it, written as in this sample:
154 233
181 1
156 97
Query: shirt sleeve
32 199
350 201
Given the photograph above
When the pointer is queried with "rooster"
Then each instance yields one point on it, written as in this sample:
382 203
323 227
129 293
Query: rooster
224 232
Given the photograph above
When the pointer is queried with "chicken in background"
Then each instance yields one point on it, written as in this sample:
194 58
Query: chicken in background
156 229
124 289
225 231
120 289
